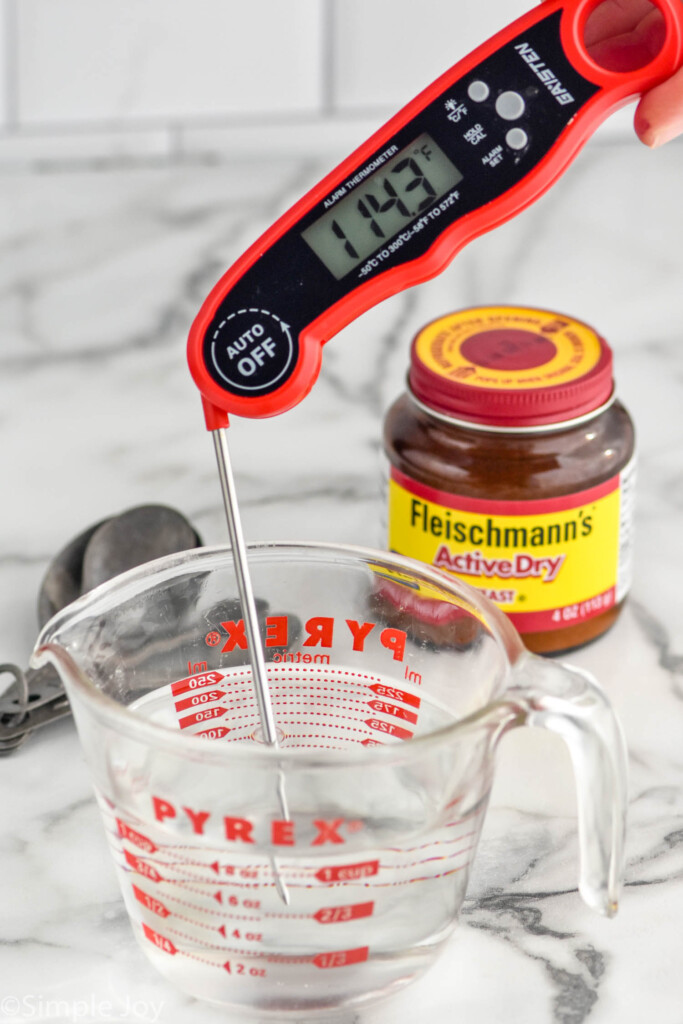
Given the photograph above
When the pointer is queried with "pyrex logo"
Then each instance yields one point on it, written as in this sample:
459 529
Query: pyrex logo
321 631
320 831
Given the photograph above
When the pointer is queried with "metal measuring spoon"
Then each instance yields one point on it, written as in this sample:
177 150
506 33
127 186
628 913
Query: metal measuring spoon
101 552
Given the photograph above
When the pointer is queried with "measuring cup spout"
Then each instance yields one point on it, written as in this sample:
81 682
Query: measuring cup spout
569 702
57 655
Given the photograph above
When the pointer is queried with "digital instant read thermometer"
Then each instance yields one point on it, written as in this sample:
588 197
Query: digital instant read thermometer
472 150
480 144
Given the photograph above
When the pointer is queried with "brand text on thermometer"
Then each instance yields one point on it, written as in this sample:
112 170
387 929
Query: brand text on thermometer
544 74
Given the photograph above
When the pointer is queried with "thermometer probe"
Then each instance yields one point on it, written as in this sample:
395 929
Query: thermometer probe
476 147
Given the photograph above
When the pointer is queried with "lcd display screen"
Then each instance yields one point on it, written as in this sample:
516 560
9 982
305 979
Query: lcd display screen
387 202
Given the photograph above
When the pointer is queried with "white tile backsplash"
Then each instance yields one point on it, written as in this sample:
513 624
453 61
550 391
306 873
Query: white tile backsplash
6 69
129 60
389 50
160 79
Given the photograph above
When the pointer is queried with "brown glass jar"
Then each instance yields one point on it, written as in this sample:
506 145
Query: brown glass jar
512 467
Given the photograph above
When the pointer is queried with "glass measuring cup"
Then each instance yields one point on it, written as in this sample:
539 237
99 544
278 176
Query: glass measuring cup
391 686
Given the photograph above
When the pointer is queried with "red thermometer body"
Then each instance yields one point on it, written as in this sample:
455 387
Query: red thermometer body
479 145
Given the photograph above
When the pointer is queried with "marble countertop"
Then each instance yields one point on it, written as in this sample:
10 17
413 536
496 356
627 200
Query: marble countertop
102 271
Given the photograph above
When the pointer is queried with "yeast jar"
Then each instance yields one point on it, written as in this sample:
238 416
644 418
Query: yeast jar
511 465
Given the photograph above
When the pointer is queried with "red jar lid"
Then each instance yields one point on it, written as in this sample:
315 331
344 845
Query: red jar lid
510 366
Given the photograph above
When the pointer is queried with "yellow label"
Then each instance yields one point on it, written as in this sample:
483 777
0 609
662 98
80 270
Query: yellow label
503 348
546 563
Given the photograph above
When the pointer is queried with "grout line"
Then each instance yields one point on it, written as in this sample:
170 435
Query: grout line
9 15
328 56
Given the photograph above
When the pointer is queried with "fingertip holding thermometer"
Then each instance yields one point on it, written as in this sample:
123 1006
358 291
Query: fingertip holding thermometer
476 147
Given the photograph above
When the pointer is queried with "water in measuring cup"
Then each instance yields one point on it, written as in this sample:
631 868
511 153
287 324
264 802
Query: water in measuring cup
373 893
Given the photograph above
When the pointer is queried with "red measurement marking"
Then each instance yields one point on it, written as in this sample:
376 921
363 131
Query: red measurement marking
198 699
391 709
196 682
159 940
156 906
371 743
126 832
142 868
214 734
390 691
201 716
389 728
238 934
337 915
341 959
252 972
348 872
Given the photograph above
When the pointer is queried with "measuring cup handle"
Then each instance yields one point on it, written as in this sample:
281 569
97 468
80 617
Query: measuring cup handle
569 702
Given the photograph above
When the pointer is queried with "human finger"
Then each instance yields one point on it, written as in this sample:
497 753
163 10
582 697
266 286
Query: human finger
659 115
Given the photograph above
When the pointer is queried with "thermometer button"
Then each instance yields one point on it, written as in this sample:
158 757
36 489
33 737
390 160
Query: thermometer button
517 138
510 106
478 92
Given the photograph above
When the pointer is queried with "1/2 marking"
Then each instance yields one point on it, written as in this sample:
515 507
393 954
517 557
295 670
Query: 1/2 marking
153 904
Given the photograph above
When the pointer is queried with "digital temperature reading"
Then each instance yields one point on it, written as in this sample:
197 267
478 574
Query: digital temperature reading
390 199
